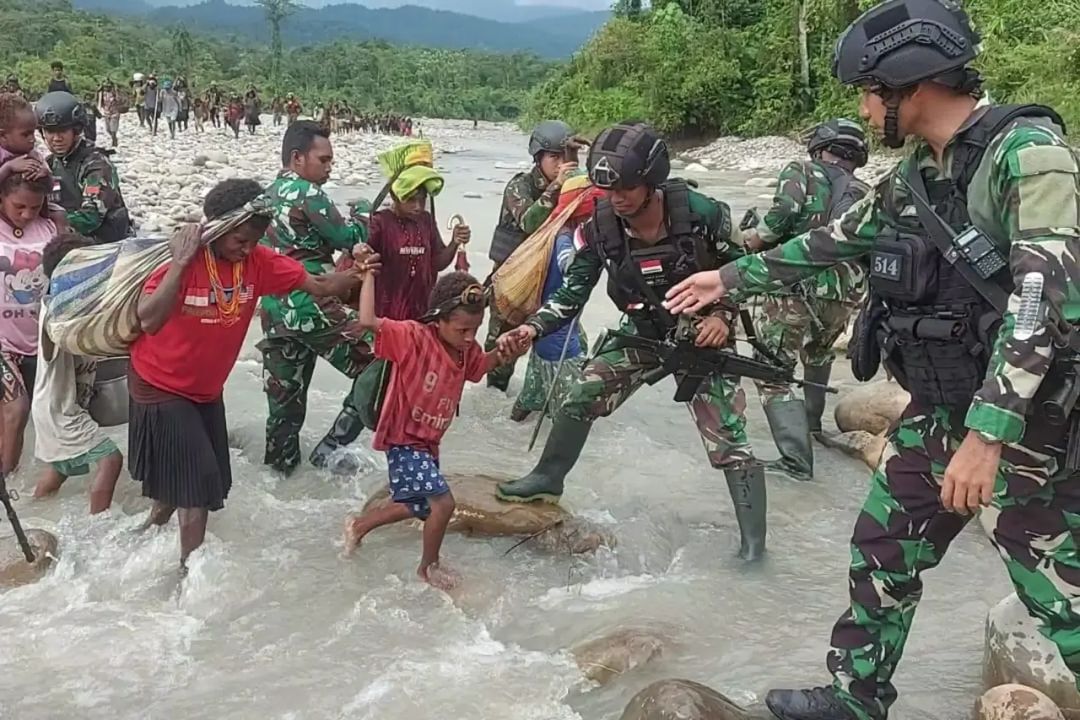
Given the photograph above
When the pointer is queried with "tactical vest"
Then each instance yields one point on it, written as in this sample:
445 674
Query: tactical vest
508 235
845 190
68 193
937 331
638 279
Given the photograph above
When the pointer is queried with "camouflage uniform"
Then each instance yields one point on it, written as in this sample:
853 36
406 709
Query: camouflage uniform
804 323
615 372
299 328
89 190
1024 197
528 201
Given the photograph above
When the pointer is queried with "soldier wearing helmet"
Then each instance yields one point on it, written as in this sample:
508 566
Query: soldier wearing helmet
971 245
528 200
648 233
804 322
86 183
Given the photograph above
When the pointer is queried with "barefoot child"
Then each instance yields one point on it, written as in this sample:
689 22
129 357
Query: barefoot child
65 436
431 359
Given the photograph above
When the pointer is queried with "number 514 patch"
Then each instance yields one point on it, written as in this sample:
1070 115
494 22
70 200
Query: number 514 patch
887 266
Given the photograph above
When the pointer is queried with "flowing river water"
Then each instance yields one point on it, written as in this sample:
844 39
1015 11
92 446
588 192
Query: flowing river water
272 624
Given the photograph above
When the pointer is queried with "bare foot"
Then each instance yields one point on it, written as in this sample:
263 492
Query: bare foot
439 577
354 533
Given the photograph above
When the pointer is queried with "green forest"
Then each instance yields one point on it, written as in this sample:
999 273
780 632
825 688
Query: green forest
698 68
371 76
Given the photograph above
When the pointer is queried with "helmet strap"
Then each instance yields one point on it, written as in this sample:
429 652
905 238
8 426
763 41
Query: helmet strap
892 138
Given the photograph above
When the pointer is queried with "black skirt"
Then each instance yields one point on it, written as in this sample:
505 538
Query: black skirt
179 451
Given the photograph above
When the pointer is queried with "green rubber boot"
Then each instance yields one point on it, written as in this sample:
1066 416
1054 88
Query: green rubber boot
815 396
787 421
747 488
347 427
545 482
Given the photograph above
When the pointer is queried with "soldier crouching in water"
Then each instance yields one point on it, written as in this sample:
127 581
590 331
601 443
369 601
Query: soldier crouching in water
647 233
972 244
528 200
806 321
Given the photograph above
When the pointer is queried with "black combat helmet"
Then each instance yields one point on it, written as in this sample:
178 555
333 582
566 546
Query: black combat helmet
59 110
549 136
841 137
904 42
628 155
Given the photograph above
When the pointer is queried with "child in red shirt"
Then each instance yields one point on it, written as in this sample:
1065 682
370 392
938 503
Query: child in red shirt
431 359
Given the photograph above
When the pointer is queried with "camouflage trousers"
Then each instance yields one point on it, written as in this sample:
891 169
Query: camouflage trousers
500 376
903 530
796 328
288 364
616 372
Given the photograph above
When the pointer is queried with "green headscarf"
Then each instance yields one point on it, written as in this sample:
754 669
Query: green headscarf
409 167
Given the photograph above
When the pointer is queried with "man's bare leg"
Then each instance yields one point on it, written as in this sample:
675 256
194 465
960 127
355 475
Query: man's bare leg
104 483
16 413
49 483
359 525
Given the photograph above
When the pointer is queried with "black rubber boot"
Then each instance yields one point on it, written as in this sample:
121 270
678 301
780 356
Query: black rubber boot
345 430
747 487
815 396
787 421
816 704
545 482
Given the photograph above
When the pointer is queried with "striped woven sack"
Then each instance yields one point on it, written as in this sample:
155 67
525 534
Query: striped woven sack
94 295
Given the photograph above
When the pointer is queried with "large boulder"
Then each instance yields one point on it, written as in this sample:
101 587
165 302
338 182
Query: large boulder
1016 652
480 513
14 570
858 444
872 407
1016 702
614 653
681 700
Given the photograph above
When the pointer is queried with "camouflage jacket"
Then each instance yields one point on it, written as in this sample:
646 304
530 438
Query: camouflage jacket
91 190
802 200
528 201
713 225
307 227
1025 196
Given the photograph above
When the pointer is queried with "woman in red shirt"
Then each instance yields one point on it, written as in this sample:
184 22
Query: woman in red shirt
194 313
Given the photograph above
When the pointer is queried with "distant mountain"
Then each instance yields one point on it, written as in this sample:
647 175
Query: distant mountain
566 32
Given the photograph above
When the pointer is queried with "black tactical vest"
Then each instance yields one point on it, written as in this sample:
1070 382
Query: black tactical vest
638 279
938 332
68 193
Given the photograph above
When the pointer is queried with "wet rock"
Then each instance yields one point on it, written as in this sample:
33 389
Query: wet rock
480 513
473 195
1016 702
14 570
858 444
200 161
872 407
696 168
610 655
1016 652
681 700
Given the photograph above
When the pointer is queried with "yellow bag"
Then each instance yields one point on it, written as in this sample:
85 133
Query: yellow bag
519 282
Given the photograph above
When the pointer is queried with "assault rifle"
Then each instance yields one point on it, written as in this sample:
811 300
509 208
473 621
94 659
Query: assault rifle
5 498
692 366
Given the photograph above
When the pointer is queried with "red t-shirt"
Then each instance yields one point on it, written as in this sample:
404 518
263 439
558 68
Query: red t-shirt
425 384
407 248
193 353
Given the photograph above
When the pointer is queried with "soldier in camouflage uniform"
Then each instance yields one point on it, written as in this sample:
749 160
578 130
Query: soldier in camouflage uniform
86 184
630 162
300 328
972 436
528 201
805 322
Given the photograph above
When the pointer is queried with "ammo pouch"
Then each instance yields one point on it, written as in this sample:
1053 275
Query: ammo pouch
864 350
904 267
940 358
369 391
504 241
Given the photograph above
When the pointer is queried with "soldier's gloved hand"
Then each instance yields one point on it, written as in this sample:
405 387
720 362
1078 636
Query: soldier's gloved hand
711 332
969 478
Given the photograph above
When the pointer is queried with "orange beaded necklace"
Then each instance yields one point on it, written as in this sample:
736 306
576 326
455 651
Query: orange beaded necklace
228 310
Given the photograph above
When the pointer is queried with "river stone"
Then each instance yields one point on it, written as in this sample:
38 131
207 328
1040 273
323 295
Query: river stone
681 700
761 182
872 407
1016 702
473 195
1016 652
696 168
615 653
481 514
858 444
14 570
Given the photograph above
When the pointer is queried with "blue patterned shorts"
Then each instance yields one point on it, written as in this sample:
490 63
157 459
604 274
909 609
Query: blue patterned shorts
415 477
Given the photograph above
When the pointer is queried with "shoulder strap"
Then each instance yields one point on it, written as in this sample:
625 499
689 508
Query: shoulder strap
677 208
839 180
607 231
976 139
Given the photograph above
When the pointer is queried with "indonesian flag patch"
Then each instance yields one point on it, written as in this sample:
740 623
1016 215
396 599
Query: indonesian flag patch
651 268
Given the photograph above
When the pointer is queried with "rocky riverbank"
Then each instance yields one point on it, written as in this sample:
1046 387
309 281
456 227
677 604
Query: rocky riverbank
766 155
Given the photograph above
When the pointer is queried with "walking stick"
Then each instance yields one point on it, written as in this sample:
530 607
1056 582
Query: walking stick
554 382
5 498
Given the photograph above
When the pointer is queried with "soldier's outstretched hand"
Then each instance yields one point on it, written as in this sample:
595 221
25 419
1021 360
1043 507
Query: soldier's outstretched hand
969 477
516 342
695 292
